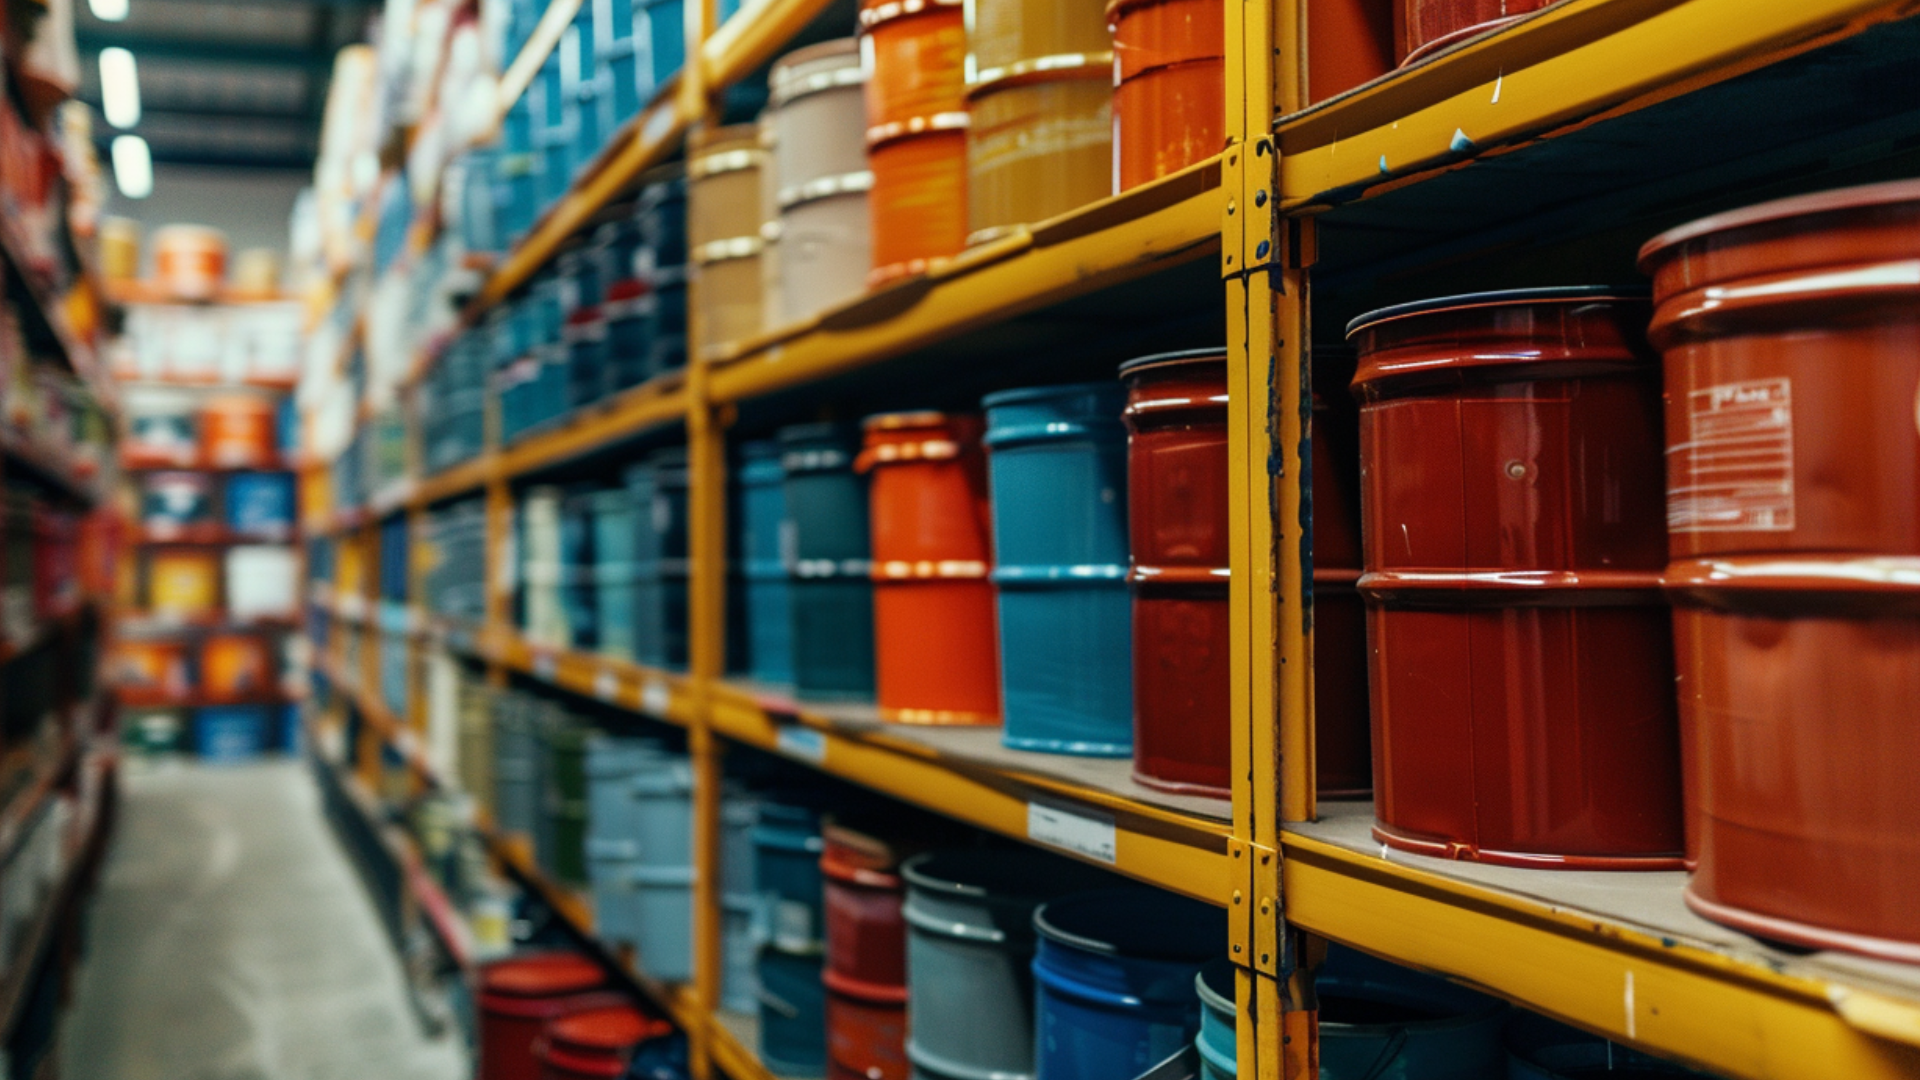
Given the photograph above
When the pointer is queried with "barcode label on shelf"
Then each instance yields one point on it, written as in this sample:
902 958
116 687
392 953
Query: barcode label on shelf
1079 831
655 697
803 742
606 685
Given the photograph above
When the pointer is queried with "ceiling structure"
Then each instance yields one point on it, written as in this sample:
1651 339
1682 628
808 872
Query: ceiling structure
239 83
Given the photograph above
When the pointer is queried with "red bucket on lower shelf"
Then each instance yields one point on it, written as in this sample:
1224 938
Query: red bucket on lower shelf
597 1044
521 996
1789 335
866 969
1521 661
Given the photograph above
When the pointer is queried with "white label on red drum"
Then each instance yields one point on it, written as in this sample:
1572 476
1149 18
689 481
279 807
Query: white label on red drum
655 697
1737 473
1082 832
802 742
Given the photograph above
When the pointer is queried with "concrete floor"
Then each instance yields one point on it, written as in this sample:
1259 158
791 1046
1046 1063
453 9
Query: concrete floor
231 940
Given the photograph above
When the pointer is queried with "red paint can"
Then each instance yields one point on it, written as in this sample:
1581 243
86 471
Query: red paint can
1349 43
1424 27
916 51
1169 79
1521 650
1342 748
934 636
866 969
1791 336
520 997
1176 416
597 1044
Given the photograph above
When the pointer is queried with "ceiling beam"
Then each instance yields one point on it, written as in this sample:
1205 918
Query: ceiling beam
145 47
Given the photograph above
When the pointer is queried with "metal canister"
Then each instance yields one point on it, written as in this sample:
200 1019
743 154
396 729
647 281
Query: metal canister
658 490
970 946
175 504
1521 659
740 906
518 779
725 169
1793 465
933 610
769 588
866 970
1039 99
1379 1019
584 330
641 851
1169 93
662 263
787 846
615 558
1425 27
520 996
623 302
1349 43
237 431
820 176
617 54
1057 467
560 834
916 132
1217 1042
1176 417
832 586
1114 976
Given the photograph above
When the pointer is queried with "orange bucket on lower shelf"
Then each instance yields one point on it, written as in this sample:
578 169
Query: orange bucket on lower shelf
918 200
237 432
1169 98
235 665
934 643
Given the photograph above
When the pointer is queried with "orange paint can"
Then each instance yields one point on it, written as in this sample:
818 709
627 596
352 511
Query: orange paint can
1169 97
918 201
915 53
237 432
934 637
235 665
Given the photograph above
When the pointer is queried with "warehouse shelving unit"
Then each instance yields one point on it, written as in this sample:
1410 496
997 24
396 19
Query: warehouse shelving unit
1541 153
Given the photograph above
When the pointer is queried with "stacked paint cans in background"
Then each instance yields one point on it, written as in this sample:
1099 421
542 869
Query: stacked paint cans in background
787 847
916 132
866 970
820 177
726 168
831 589
640 847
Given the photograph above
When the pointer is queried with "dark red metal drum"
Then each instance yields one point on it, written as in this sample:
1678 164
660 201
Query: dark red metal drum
1791 335
1521 651
520 996
866 971
1176 417
1424 27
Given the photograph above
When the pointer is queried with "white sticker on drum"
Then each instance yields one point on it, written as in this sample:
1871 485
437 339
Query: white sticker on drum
1082 832
1737 469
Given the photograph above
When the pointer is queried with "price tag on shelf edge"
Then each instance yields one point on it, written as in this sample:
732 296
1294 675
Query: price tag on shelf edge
655 698
802 742
1083 832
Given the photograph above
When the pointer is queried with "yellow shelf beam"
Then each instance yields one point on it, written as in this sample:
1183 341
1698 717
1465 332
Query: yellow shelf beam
1573 64
754 36
1732 1016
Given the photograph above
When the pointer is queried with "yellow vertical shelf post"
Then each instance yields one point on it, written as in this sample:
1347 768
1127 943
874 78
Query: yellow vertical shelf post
1271 625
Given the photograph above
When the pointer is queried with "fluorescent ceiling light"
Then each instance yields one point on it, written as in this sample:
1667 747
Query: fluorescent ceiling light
119 87
108 10
132 166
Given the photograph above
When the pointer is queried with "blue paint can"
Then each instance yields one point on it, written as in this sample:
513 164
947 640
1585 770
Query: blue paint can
832 582
739 907
615 553
1381 1021
1218 1041
517 773
769 608
260 505
658 489
793 1013
577 589
792 997
640 851
1114 979
229 734
662 262
1058 471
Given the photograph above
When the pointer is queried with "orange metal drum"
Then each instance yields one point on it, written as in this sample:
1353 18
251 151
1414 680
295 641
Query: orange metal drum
1169 97
1424 27
918 201
916 56
933 609
1039 143
237 432
1349 42
1521 652
1791 336
235 665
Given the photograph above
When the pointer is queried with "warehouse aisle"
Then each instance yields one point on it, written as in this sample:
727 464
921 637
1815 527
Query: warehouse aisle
231 940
